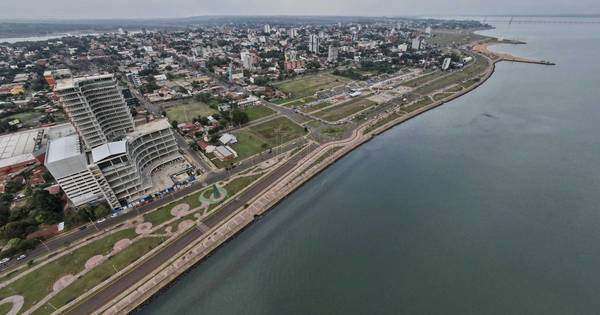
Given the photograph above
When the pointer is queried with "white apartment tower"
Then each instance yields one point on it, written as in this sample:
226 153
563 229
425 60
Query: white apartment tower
332 55
96 108
313 43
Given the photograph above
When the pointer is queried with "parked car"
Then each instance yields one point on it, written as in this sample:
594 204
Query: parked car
4 260
21 257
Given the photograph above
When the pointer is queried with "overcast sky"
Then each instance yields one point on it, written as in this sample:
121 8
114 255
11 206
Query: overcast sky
74 9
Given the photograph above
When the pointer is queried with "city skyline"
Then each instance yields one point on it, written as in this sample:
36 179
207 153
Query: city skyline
69 9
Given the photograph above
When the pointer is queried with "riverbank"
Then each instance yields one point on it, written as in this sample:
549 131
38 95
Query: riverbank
307 168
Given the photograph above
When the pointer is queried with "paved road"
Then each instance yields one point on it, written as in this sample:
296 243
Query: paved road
60 241
108 293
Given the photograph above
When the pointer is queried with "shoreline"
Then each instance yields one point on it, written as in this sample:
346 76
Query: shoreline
321 168
194 252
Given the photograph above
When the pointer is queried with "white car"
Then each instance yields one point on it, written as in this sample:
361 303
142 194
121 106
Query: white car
4 260
21 257
101 220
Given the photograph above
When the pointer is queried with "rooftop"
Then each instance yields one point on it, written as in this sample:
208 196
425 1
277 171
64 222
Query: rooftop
149 127
109 149
63 148
20 143
70 83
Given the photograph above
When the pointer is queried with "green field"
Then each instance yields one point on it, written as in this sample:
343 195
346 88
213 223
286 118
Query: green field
337 112
300 102
258 138
423 79
309 85
38 283
420 103
441 96
258 112
100 273
187 111
315 107
476 68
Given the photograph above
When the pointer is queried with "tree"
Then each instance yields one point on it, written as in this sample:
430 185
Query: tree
239 118
101 211
174 124
17 229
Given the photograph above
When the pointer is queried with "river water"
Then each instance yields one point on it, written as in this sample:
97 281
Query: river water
489 204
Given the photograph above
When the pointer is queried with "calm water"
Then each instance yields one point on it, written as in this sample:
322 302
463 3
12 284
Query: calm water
488 205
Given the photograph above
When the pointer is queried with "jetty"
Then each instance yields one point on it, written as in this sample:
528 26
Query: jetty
483 48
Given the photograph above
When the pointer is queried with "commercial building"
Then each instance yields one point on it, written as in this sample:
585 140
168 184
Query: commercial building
22 149
96 108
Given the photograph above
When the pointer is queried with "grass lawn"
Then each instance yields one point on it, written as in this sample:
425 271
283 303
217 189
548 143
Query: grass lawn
420 103
248 144
258 112
476 68
332 132
101 273
315 107
236 185
300 102
382 122
188 110
337 112
455 89
309 85
5 308
29 119
277 131
441 96
423 78
37 284
258 138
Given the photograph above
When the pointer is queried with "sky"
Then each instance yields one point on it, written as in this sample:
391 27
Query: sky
84 9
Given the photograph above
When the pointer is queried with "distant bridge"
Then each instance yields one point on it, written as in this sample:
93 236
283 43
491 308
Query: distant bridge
520 21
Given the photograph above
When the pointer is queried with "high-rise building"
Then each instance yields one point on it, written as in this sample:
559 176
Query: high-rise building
446 63
293 32
332 55
313 43
403 47
267 28
96 108
416 43
115 161
117 172
247 59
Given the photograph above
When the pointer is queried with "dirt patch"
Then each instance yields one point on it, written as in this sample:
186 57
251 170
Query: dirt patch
121 245
94 261
63 282
144 228
180 210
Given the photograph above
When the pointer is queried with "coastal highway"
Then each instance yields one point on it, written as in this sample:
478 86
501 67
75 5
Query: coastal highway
129 279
